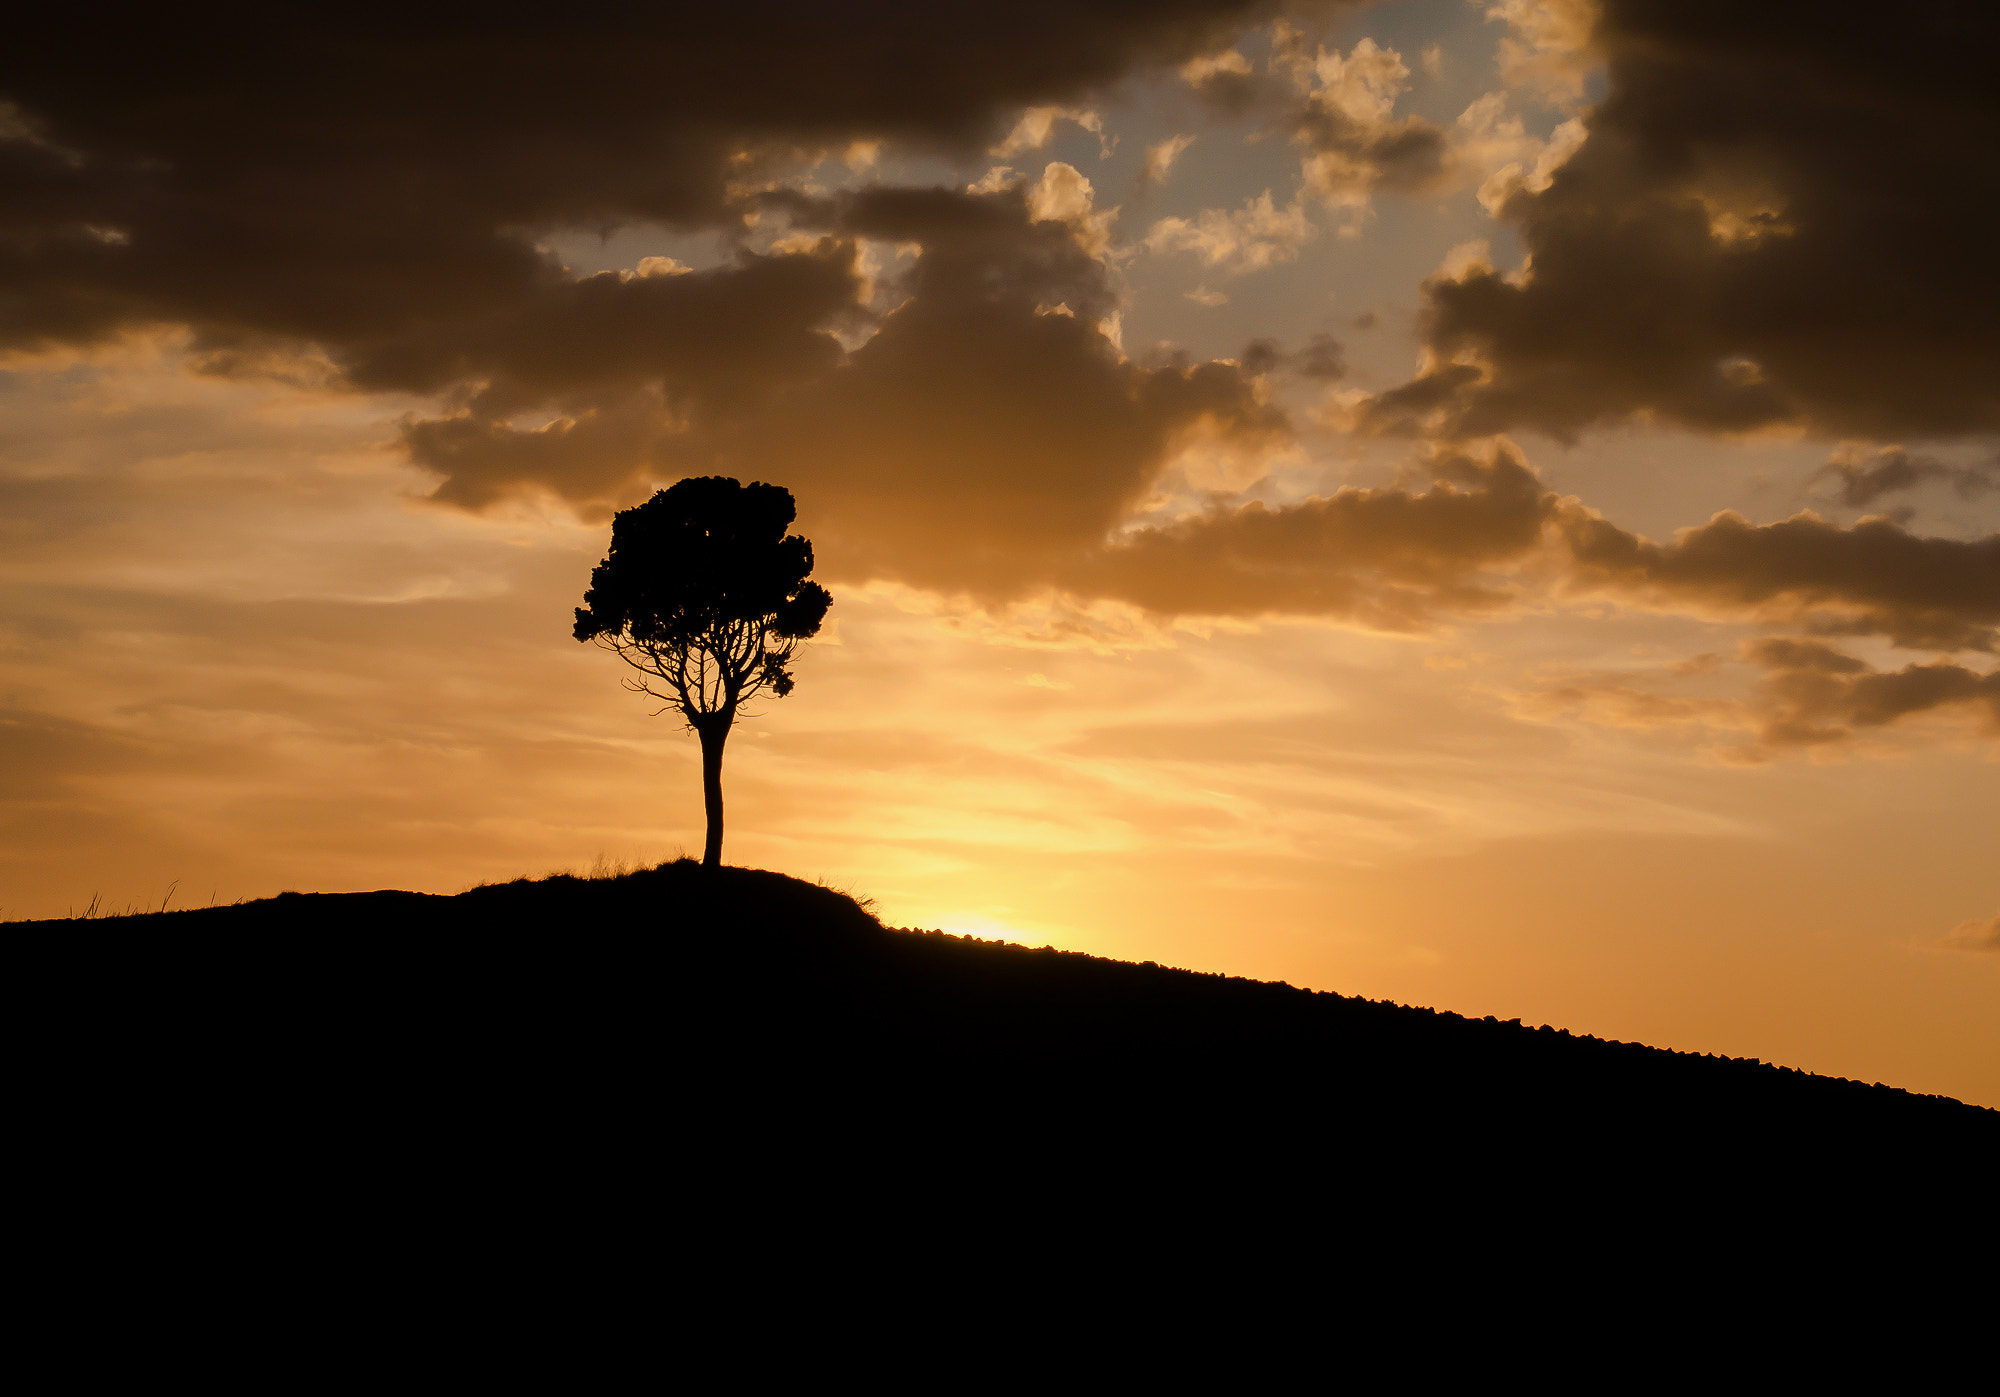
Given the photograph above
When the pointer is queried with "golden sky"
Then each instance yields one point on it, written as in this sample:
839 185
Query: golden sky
1489 505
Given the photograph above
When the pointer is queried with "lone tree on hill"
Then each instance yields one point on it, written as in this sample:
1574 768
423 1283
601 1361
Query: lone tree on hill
705 594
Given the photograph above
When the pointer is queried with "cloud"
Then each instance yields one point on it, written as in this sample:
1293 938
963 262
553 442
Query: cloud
1875 578
988 429
1342 111
352 177
1063 195
1547 48
996 179
1037 125
715 336
1322 358
1978 934
330 202
1226 81
1810 697
1779 224
979 444
1345 119
1389 559
1248 239
1487 140
1160 158
1813 695
1866 477
1625 701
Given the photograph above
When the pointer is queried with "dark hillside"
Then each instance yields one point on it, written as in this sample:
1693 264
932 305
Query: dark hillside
774 964
769 1028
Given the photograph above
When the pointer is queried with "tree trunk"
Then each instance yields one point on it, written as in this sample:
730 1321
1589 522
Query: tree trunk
713 729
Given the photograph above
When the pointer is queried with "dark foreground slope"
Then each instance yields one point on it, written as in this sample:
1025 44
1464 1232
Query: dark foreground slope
746 1006
730 1114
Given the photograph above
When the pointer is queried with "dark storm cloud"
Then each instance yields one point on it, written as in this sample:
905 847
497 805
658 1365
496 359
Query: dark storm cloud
985 432
1322 358
1813 695
360 176
620 360
1873 579
1892 470
1391 559
988 438
1809 696
1782 215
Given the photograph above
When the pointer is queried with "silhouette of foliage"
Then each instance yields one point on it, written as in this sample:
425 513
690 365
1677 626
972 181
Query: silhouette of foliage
705 595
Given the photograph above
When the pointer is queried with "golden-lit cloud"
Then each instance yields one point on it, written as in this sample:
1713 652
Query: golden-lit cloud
1038 124
1248 239
1160 158
1345 118
1547 48
1734 246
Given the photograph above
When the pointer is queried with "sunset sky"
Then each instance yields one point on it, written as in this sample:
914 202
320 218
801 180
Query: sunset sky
1488 505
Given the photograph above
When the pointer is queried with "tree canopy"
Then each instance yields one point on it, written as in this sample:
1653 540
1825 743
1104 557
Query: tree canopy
705 594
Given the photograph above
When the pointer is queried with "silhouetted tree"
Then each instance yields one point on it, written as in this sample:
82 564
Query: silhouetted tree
705 594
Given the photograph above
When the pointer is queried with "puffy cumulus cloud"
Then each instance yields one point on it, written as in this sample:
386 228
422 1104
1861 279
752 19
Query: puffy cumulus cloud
1547 48
1248 239
1978 934
1063 195
1341 108
1813 695
1875 578
1389 559
1776 219
359 175
1491 139
1866 476
1346 120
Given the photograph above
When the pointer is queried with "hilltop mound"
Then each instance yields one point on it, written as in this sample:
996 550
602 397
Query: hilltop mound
743 996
